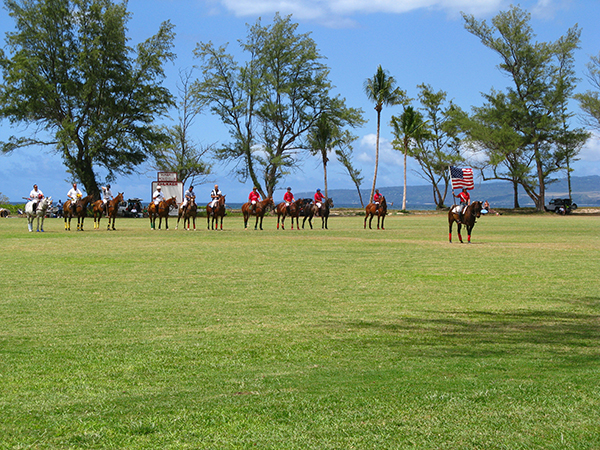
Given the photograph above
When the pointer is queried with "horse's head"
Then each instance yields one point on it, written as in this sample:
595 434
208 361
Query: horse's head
329 202
221 201
269 203
119 197
476 209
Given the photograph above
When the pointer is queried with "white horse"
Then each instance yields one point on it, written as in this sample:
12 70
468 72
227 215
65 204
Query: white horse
42 207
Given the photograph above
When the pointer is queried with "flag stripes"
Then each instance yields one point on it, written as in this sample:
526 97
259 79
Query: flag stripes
461 178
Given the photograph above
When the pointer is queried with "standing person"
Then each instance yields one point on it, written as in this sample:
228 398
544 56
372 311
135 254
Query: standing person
106 196
465 200
288 198
187 197
157 197
214 196
59 209
74 194
35 196
253 198
377 199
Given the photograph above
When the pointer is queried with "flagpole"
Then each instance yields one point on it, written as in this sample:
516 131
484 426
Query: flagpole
452 184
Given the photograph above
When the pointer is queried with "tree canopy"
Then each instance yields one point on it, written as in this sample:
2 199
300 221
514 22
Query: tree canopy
542 79
269 102
70 72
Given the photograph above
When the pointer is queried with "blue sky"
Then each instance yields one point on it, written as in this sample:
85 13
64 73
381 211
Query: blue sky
417 41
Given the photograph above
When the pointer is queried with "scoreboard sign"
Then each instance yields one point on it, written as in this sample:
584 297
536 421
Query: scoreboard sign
167 177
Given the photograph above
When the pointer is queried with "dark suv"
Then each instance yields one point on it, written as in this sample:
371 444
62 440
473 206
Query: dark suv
561 205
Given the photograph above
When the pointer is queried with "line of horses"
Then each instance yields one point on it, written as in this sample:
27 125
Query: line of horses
302 207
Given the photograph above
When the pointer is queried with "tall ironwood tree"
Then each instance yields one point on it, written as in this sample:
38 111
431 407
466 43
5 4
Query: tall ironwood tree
542 79
270 102
70 72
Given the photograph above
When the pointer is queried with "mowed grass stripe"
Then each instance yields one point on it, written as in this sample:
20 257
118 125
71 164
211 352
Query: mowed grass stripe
301 338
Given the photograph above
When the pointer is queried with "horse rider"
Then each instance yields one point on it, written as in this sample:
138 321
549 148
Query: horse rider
157 197
288 198
377 199
106 196
319 200
74 194
465 200
189 194
214 197
35 196
254 198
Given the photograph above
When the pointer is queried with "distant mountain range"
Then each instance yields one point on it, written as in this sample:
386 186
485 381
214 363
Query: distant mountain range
585 192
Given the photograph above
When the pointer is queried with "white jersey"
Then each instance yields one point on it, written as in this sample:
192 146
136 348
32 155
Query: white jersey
157 197
36 196
73 194
106 195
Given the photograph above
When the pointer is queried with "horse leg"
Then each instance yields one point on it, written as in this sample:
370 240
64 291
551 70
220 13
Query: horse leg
382 219
469 234
30 224
370 221
450 231
41 226
458 227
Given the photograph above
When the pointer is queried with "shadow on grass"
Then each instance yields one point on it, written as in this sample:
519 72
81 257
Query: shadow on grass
477 333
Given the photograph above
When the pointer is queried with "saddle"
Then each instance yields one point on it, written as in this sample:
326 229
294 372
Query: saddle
455 209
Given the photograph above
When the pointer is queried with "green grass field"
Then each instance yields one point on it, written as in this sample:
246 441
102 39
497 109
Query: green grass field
311 339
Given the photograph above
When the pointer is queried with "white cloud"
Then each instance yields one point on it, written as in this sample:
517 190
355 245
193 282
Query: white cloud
591 150
336 12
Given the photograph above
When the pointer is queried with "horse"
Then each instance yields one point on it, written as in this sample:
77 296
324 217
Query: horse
470 216
162 211
294 212
213 214
80 212
323 212
259 212
111 209
40 213
190 212
371 210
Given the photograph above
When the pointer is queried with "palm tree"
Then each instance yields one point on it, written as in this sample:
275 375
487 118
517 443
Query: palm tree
328 133
382 91
409 127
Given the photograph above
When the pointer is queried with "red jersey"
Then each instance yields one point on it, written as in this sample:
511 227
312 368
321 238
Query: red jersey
319 197
254 196
288 197
464 197
377 197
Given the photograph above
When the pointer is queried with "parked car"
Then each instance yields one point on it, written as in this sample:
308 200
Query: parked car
131 208
561 205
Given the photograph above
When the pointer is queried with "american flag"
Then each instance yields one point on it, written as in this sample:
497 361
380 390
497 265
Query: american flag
461 178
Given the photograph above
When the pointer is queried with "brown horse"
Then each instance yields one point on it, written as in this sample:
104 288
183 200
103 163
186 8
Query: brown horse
111 211
323 212
190 212
213 214
80 212
259 211
294 212
372 210
470 216
162 211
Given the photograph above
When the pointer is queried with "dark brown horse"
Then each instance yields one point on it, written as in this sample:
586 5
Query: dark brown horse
111 211
80 211
470 216
323 212
189 213
294 212
161 212
372 210
259 211
213 214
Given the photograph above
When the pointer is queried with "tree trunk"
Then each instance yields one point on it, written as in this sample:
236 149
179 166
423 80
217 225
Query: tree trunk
325 177
516 194
404 191
378 109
